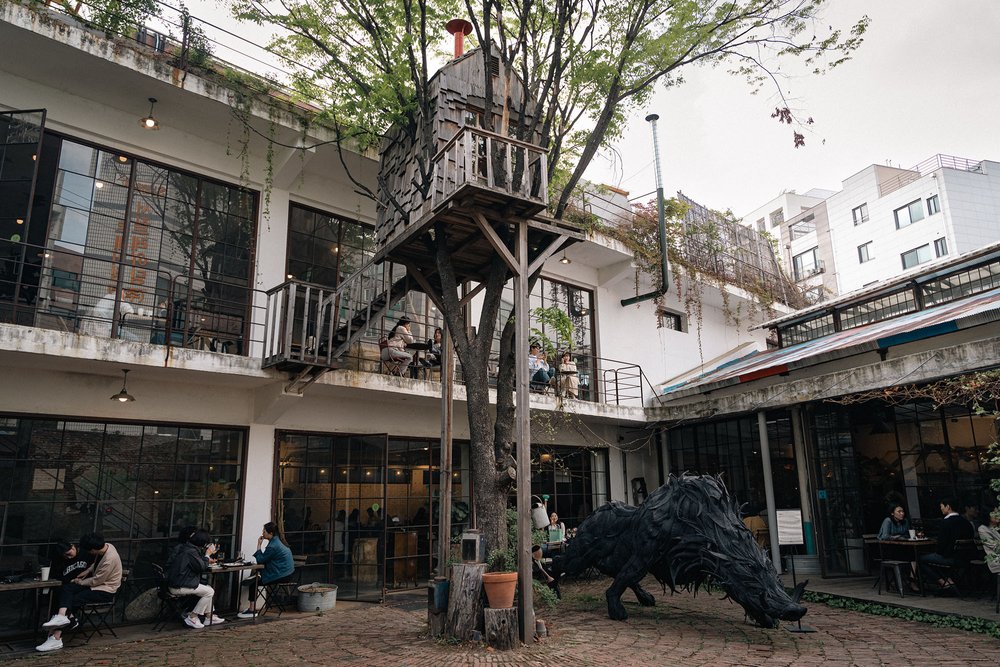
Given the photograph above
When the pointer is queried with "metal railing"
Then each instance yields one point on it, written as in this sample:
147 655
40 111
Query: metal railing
929 165
65 290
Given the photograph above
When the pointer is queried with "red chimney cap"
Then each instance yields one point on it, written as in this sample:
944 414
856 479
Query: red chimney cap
455 26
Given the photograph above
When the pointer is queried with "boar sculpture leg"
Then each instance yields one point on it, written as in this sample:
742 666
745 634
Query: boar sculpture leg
688 532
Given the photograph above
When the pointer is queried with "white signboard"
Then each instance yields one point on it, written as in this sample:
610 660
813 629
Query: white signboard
790 527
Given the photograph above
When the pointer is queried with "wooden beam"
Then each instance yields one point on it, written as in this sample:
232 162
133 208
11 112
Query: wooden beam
555 228
476 290
525 598
423 282
545 254
495 241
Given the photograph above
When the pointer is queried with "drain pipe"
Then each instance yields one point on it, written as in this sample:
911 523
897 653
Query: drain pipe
664 268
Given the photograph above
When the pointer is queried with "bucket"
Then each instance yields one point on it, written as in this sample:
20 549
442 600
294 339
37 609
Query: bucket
317 597
540 516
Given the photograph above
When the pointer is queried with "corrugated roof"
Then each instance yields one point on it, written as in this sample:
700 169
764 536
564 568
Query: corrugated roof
946 318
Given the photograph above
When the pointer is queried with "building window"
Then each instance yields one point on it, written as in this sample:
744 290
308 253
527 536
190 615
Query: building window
806 264
941 247
814 294
323 248
802 228
860 214
760 225
667 319
137 484
865 252
777 217
907 215
916 256
933 205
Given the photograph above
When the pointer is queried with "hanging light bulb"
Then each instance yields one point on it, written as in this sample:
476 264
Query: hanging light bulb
149 122
564 259
123 396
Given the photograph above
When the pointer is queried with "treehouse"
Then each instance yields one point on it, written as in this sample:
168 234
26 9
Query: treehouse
477 181
443 169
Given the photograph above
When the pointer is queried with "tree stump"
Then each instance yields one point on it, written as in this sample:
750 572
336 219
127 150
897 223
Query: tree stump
465 599
501 628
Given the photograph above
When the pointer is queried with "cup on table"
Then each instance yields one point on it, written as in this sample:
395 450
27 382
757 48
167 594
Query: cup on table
913 534
44 573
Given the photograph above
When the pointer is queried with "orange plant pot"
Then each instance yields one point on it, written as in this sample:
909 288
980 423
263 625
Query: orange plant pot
500 588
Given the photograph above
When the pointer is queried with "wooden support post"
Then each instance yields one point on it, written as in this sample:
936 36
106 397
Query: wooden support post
525 597
465 599
501 628
436 621
447 413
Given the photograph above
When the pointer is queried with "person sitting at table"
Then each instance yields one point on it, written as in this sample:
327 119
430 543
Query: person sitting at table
954 527
70 561
569 380
538 368
276 558
539 572
190 561
896 525
98 583
397 340
554 525
434 354
99 320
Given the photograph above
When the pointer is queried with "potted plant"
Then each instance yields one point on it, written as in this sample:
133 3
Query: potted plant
500 582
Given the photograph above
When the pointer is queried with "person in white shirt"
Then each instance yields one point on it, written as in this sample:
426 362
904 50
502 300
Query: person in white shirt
397 340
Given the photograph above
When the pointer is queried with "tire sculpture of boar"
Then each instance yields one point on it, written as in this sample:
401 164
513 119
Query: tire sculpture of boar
688 532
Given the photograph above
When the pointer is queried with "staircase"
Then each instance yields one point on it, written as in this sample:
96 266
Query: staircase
309 327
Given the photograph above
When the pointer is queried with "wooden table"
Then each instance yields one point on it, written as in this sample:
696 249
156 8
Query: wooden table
907 548
37 586
230 569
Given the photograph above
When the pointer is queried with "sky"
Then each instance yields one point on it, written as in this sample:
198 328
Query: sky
926 81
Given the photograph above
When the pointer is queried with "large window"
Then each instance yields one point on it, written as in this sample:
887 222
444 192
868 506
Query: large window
907 215
364 508
574 478
130 245
137 484
806 264
324 248
803 227
916 256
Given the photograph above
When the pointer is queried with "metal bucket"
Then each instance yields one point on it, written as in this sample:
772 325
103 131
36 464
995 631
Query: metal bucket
317 597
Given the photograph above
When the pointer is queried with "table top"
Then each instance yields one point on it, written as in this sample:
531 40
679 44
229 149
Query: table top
216 569
418 346
30 585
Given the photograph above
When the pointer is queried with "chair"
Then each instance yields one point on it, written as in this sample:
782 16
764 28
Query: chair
279 594
893 568
97 615
391 366
171 606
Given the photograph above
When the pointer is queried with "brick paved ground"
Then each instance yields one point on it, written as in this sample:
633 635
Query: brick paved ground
680 630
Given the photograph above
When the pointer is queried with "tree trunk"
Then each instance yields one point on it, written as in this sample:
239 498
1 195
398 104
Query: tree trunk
501 628
465 599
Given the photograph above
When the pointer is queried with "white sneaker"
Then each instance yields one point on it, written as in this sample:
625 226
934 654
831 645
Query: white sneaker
215 620
50 644
247 613
193 622
57 621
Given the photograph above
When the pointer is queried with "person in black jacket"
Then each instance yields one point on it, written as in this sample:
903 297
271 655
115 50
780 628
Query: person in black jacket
954 527
70 562
190 561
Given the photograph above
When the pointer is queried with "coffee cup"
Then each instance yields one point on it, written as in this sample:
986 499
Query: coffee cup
44 575
913 534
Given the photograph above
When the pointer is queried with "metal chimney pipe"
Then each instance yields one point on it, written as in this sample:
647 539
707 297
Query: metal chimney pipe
459 28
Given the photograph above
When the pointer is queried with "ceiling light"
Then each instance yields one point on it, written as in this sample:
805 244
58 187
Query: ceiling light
123 396
20 221
149 122
565 259
98 185
123 159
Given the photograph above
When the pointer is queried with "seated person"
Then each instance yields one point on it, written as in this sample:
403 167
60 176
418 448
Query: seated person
434 355
98 583
538 368
99 321
188 562
276 558
396 342
554 525
954 527
990 537
896 525
70 561
539 572
569 381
